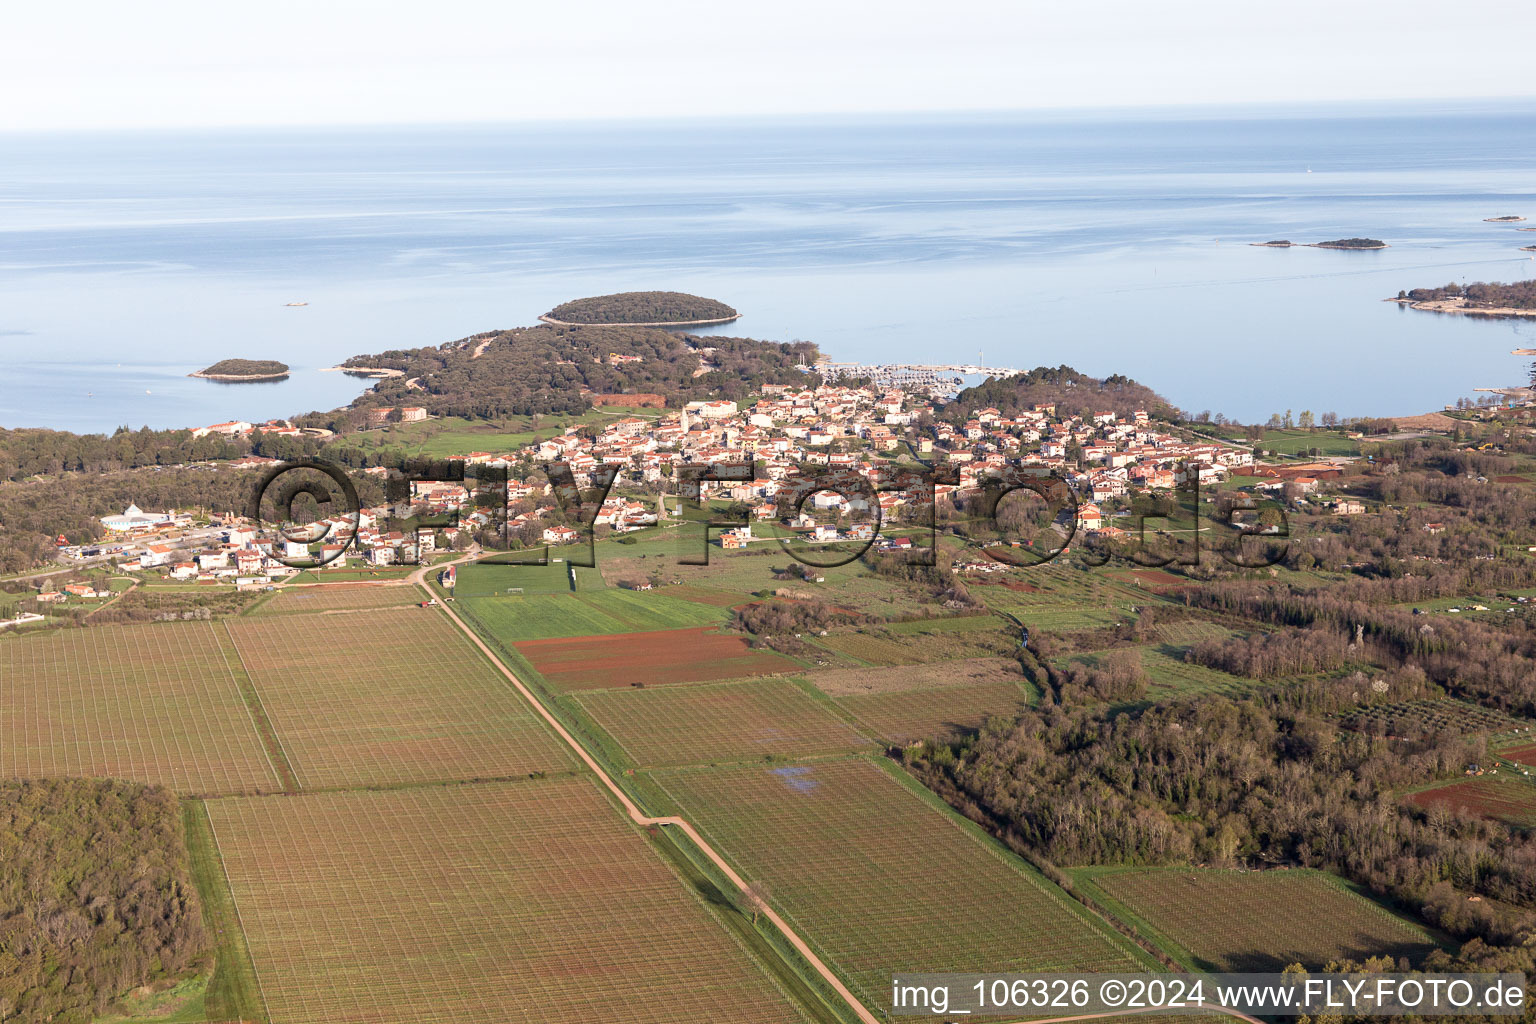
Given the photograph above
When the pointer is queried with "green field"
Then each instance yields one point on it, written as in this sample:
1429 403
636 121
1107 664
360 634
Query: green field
1170 676
881 880
442 436
528 901
592 613
1253 920
1299 442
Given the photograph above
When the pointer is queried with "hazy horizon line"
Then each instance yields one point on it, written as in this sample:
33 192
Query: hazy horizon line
1171 112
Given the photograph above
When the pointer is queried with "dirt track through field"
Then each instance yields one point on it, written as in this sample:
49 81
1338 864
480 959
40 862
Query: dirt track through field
641 818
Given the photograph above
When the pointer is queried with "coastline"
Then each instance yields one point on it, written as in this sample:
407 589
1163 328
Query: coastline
240 378
374 372
1320 245
546 318
1459 306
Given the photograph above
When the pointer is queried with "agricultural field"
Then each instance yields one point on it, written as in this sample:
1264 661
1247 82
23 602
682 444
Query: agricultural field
750 573
941 713
898 645
1253 920
704 595
1063 604
1521 755
531 900
704 723
663 656
880 880
1428 715
355 574
1509 798
341 598
1188 632
937 701
590 613
1301 442
156 704
388 696
1170 676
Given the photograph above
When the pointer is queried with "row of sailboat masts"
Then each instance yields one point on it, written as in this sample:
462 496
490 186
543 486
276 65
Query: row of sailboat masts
874 369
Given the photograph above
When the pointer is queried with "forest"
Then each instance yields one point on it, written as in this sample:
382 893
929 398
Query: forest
244 368
1279 778
1072 393
96 896
555 369
641 308
1480 294
1352 243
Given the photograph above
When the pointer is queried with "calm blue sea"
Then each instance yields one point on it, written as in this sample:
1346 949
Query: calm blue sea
1111 243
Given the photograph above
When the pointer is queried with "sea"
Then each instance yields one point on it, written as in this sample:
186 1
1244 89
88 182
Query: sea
1110 241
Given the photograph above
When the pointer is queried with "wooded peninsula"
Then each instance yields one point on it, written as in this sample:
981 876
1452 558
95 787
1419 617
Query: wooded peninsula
1482 298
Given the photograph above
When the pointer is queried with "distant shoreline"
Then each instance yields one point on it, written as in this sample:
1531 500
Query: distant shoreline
1458 305
240 377
653 323
1319 245
375 372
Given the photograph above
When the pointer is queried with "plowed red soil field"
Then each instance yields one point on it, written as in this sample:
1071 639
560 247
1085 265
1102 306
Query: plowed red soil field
1522 755
1507 800
663 656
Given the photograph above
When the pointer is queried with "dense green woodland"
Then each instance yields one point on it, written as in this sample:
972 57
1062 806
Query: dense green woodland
95 896
1481 294
548 370
247 367
1091 778
640 308
1072 393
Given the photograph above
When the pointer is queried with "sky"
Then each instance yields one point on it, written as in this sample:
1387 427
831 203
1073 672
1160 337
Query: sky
166 64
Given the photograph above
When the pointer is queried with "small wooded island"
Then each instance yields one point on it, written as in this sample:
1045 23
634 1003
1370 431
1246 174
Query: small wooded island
243 370
1337 243
641 309
1508 218
1351 243
1482 298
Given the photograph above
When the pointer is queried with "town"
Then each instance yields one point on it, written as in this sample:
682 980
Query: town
880 455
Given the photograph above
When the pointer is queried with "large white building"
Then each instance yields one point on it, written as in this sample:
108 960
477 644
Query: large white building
135 518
